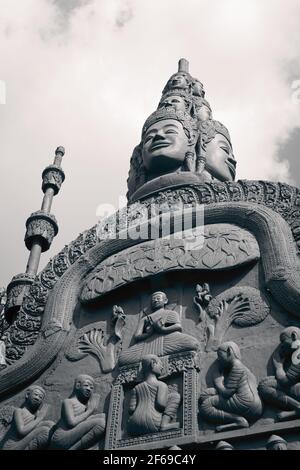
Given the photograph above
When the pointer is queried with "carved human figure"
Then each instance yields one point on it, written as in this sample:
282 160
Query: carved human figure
159 333
283 389
234 401
78 427
220 162
179 80
168 135
152 407
179 103
29 429
276 443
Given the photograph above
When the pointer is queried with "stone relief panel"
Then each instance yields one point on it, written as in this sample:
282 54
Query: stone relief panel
224 246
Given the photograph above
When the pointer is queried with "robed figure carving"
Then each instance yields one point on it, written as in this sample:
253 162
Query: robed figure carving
283 389
159 333
29 429
80 426
153 406
234 401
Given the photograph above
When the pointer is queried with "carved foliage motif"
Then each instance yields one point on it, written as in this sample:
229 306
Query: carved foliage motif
241 306
224 246
94 341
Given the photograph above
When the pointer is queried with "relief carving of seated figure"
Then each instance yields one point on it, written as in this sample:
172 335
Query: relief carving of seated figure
153 406
159 333
78 427
283 389
235 399
29 430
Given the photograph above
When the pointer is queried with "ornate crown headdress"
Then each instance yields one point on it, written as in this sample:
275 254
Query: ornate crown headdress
161 114
210 128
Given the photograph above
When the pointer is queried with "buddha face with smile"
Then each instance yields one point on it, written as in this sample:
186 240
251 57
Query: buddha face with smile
220 161
165 144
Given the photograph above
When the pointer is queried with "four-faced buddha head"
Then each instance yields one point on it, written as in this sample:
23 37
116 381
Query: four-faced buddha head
166 138
220 161
170 139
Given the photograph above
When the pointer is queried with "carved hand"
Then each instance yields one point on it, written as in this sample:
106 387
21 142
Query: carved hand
93 402
41 413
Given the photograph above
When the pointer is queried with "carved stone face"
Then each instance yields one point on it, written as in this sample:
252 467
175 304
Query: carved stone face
220 161
158 300
224 356
288 338
157 366
204 113
178 80
177 102
85 388
35 398
164 146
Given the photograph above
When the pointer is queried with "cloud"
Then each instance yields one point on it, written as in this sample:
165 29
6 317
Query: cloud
86 74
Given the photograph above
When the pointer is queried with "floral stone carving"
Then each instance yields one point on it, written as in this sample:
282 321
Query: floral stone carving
241 306
225 246
93 341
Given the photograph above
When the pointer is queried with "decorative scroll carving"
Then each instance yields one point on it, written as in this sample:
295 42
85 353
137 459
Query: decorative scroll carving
153 406
225 246
283 389
235 399
29 430
93 341
79 428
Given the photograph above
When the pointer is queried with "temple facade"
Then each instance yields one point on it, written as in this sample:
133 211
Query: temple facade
173 322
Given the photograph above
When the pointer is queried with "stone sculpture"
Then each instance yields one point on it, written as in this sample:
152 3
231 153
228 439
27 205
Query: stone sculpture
168 140
153 406
78 427
283 389
276 443
234 400
29 429
223 445
181 136
159 333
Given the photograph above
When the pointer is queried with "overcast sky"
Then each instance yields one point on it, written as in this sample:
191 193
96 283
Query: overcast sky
85 74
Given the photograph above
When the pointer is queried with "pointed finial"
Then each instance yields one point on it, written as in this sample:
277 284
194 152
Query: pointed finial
183 65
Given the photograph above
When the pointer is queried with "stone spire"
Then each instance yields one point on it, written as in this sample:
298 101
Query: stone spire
41 228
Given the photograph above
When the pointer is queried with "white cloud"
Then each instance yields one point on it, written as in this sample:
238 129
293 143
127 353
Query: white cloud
86 77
